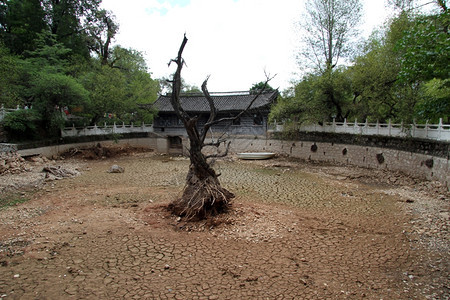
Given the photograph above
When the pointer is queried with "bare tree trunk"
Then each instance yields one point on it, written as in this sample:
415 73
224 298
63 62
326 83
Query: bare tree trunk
203 195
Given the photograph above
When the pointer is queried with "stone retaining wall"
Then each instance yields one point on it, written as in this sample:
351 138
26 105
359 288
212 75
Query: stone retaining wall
159 144
412 163
420 161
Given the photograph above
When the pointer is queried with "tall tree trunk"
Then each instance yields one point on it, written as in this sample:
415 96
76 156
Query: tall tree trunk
202 195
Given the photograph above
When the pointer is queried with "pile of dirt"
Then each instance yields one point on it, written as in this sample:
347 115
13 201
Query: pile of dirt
99 152
13 163
21 173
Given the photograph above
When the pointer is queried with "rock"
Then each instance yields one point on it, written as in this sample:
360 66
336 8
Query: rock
12 163
116 169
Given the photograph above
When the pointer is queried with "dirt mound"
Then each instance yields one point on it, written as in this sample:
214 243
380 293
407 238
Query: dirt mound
19 173
13 163
98 151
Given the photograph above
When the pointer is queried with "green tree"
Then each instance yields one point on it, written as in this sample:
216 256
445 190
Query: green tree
69 19
426 47
101 32
22 125
374 81
379 94
9 78
107 91
52 92
310 102
128 60
20 23
48 54
260 86
41 82
328 26
165 86
46 63
123 87
435 102
141 89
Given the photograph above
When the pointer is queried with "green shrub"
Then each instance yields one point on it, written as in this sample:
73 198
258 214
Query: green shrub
21 124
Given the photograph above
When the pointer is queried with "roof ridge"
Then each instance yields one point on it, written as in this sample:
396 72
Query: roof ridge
232 93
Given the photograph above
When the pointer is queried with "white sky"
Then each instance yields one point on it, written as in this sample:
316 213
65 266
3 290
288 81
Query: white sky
234 41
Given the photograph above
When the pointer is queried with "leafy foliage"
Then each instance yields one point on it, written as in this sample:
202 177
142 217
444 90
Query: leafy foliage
311 103
426 48
9 78
46 65
21 124
260 86
435 102
328 27
51 93
401 74
101 31
21 21
104 83
68 20
165 85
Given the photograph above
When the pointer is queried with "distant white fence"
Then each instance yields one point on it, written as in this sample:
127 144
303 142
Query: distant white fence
438 132
105 130
4 111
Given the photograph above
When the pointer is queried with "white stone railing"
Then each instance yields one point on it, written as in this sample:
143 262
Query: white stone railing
105 129
440 132
4 111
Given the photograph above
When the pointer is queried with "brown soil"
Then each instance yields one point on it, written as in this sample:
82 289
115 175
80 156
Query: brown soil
296 231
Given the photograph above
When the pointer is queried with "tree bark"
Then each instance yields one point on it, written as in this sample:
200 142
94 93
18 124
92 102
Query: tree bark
202 195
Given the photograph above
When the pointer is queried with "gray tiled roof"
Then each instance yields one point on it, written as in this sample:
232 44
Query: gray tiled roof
224 102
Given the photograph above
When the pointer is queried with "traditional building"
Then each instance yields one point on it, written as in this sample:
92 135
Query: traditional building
252 122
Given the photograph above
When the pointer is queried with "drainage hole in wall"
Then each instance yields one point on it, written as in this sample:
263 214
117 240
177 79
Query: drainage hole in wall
380 158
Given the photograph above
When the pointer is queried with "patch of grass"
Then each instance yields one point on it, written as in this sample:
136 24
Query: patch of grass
12 199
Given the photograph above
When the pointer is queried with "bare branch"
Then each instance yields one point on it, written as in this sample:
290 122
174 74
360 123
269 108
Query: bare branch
217 155
216 143
212 109
176 86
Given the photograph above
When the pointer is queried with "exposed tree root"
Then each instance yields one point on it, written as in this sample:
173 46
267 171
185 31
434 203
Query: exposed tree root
201 198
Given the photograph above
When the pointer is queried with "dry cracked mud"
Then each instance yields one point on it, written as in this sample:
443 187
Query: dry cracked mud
296 231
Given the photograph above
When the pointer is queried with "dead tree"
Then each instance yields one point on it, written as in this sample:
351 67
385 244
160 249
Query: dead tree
203 195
